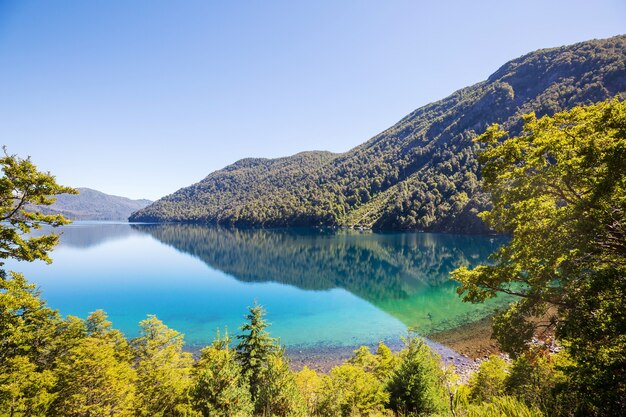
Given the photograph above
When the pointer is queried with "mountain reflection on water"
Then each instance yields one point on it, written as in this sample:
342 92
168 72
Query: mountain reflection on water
88 234
404 274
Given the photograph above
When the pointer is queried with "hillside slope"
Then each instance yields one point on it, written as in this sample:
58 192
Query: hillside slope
421 173
92 205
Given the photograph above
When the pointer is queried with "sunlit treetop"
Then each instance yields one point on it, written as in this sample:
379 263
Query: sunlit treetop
559 189
22 188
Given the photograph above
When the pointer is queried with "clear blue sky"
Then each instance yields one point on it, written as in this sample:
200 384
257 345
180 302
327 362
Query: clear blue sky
140 98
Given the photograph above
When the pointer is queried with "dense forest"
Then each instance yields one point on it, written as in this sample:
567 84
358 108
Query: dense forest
420 174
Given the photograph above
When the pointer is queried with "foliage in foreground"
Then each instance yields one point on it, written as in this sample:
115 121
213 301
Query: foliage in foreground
416 387
560 190
21 185
499 407
87 368
219 385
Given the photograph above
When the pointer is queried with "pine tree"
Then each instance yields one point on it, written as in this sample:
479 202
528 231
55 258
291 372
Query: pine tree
255 347
417 385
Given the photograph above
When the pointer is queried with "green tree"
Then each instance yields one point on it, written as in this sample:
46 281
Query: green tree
24 390
309 384
27 326
64 335
351 391
93 382
98 326
417 387
364 358
25 321
279 395
255 347
382 364
537 378
163 371
499 407
219 387
488 381
387 362
22 185
559 189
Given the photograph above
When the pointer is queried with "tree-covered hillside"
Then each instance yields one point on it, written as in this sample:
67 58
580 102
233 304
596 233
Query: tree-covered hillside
90 204
421 173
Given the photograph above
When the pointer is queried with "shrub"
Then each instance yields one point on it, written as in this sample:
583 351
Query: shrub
417 385
488 382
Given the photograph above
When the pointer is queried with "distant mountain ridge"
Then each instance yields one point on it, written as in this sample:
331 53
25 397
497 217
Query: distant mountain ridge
92 205
420 174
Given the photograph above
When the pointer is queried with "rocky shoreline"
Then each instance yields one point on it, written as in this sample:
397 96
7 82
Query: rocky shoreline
465 347
472 340
323 358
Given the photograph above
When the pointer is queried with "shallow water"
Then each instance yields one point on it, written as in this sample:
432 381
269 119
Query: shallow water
320 288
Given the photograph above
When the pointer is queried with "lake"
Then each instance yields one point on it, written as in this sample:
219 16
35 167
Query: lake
320 287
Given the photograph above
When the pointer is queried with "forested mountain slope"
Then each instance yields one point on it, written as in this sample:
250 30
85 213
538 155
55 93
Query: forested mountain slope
92 205
421 173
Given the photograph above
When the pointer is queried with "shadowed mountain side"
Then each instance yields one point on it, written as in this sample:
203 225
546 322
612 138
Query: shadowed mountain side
405 274
420 174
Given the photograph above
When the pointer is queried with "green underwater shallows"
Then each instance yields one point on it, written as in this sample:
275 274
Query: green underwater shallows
320 287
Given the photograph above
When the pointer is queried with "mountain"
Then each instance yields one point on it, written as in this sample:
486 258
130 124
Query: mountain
92 205
420 174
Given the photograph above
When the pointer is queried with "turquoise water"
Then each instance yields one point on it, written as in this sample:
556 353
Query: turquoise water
335 288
